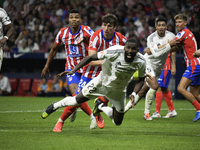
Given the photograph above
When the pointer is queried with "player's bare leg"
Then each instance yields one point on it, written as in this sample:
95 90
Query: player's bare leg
182 89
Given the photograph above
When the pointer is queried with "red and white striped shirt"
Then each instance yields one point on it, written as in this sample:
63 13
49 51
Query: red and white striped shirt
189 43
99 43
167 65
76 45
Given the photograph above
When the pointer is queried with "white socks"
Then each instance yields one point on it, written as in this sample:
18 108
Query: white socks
148 100
107 110
137 99
67 101
92 116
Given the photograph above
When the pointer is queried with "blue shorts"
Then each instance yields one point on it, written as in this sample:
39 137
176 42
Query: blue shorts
75 78
164 78
193 74
82 83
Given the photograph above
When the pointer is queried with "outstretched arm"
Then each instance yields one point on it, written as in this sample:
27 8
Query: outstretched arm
51 56
84 62
10 33
160 50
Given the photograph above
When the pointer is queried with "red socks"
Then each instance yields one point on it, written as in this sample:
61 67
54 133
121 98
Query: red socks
159 98
67 112
103 100
196 105
70 109
168 99
84 106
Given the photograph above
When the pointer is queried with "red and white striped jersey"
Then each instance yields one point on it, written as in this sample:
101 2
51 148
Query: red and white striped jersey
189 44
167 65
99 43
76 45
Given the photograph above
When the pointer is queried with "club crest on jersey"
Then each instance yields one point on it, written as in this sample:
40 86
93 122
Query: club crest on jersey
79 40
152 45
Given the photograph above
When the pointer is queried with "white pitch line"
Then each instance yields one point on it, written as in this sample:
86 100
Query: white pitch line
81 110
3 130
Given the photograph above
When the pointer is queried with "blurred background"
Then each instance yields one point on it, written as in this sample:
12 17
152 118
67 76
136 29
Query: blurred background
38 21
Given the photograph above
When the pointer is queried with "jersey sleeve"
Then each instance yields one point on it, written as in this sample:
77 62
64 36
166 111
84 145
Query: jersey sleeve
142 70
58 37
89 31
109 52
94 43
180 36
5 19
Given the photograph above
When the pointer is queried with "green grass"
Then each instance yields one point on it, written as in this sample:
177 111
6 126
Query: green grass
21 127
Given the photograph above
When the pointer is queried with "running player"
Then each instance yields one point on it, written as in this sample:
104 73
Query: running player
163 81
158 45
76 40
191 76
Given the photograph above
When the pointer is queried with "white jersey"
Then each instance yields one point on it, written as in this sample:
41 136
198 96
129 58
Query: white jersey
115 76
4 20
115 67
158 63
5 84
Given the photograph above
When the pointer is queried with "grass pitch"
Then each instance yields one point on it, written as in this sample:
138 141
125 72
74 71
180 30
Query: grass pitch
22 128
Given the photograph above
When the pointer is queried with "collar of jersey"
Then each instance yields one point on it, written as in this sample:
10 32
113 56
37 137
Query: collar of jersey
104 37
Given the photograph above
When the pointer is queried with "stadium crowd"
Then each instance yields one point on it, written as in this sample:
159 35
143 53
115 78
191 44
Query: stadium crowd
38 21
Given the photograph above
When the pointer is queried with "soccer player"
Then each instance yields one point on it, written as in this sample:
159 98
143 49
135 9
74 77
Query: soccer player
163 81
191 75
157 44
76 40
5 21
120 62
100 40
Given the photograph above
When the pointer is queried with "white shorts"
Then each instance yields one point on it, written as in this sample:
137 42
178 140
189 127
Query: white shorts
94 89
1 58
152 72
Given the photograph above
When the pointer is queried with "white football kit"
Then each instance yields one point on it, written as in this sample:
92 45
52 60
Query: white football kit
155 64
115 76
4 20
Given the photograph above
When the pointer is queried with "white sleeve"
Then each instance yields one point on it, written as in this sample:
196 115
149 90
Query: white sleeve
142 70
156 52
5 19
109 52
5 83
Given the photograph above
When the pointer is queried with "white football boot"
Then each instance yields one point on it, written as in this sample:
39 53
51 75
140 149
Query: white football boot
171 114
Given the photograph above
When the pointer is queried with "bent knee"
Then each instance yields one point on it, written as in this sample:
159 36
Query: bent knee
117 123
180 89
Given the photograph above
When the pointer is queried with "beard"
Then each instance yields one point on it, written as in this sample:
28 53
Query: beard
129 60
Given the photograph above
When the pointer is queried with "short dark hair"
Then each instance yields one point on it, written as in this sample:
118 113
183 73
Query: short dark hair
110 18
161 18
132 40
74 11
